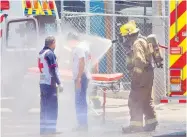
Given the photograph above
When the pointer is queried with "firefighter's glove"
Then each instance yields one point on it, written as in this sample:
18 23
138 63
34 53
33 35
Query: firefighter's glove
60 88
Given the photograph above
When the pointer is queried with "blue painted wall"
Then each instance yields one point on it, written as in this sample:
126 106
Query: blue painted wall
97 27
74 5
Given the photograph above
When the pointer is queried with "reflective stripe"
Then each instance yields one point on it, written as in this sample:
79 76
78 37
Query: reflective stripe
53 12
38 11
136 123
46 12
34 12
26 11
151 121
138 70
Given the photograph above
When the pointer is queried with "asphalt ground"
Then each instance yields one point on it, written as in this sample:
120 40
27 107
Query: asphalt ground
20 116
25 122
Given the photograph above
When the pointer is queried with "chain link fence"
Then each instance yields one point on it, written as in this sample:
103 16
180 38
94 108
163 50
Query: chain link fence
107 26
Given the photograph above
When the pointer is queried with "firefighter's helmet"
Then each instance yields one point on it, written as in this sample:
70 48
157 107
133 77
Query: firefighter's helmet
129 28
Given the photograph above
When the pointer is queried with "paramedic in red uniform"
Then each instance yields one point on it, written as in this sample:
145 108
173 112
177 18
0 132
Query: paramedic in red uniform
49 83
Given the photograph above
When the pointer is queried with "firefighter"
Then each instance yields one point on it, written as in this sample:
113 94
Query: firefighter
49 84
81 76
139 64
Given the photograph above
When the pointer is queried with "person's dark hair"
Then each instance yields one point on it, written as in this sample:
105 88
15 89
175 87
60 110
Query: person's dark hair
49 41
72 36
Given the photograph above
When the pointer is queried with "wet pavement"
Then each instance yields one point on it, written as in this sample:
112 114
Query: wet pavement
25 121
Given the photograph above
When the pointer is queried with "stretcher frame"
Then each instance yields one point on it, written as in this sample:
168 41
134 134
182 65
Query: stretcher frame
103 82
108 84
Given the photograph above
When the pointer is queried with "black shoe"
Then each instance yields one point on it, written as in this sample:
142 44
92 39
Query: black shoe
132 129
150 127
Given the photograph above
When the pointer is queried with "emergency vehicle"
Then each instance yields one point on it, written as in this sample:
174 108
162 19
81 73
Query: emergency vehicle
24 25
177 52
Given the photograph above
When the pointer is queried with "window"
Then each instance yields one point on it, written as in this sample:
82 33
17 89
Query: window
47 25
21 33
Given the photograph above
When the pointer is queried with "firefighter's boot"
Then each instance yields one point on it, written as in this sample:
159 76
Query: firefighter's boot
132 129
150 127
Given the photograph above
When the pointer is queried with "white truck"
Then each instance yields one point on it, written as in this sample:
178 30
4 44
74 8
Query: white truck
24 25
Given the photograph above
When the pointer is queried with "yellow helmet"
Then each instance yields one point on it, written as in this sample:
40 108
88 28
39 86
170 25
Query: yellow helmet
129 28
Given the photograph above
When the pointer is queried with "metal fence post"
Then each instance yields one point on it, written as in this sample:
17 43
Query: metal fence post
87 5
113 36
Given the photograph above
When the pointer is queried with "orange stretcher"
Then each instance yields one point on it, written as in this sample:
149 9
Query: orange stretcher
103 81
95 77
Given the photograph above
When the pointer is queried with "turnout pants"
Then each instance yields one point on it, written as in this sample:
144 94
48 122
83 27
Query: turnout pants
140 100
48 109
80 102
